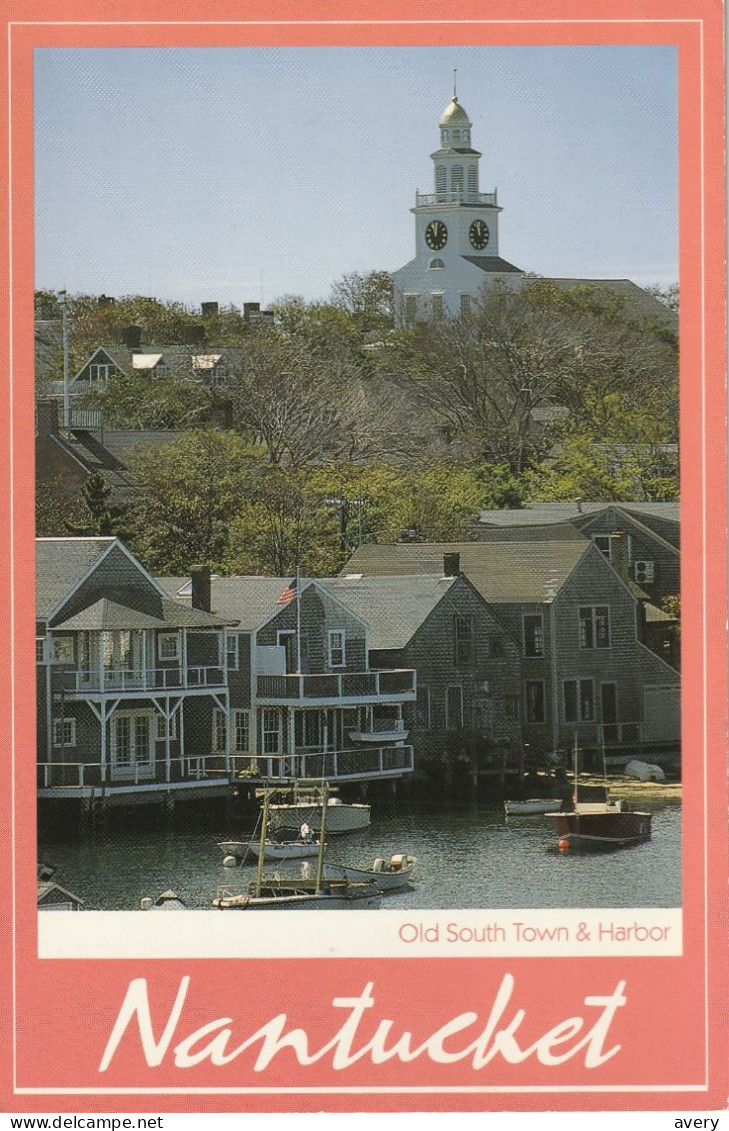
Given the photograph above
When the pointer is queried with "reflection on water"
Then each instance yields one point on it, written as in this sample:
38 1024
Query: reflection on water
466 858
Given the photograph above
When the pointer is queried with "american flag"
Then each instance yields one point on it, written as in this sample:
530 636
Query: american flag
288 594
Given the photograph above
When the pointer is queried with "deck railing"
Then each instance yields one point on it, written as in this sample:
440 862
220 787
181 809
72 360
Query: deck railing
174 677
458 196
398 684
333 765
84 775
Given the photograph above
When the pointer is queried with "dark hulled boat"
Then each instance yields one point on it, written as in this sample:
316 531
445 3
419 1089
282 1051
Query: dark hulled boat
598 822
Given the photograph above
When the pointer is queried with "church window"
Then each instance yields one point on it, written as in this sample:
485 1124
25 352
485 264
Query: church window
436 263
440 178
465 304
466 137
457 178
472 178
410 308
456 136
436 301
444 137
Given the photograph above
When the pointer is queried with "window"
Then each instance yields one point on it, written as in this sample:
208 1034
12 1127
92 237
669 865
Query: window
271 731
64 732
62 650
220 730
454 707
40 649
603 543
534 701
231 648
436 264
533 635
168 646
511 707
436 306
410 308
99 374
308 729
472 176
457 178
594 626
456 136
337 654
132 744
464 641
444 136
465 301
440 178
166 727
579 701
422 706
496 647
241 732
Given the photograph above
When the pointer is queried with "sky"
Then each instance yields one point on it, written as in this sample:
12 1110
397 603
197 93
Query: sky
245 174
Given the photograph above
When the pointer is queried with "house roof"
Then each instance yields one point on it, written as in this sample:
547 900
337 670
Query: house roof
644 302
393 607
533 532
545 514
248 600
502 572
60 564
106 615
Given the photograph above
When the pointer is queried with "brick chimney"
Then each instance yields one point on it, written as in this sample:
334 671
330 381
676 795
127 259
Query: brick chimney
451 565
617 554
46 418
200 577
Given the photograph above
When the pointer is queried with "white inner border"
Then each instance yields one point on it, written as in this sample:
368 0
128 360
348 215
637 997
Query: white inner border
13 637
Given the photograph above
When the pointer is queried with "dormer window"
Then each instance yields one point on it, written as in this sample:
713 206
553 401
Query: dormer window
435 264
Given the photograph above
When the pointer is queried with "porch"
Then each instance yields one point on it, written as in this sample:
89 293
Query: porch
341 688
390 761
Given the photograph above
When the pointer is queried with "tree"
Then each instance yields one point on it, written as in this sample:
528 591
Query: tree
155 403
189 493
369 299
99 516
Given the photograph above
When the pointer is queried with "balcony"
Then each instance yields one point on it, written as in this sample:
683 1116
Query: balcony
190 773
341 688
92 684
332 765
458 197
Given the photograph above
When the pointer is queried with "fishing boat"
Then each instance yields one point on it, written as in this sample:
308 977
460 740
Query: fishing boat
597 821
280 893
387 875
306 807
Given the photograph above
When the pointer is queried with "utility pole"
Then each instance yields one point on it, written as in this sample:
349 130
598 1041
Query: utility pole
63 303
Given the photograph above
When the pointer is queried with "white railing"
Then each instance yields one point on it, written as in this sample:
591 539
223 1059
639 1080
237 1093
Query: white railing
333 765
86 775
398 684
129 679
458 197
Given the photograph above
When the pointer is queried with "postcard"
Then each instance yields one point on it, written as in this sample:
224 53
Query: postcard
373 483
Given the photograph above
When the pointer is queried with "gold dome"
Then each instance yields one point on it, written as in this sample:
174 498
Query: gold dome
454 114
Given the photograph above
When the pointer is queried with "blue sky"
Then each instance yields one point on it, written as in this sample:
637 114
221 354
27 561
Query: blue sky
240 174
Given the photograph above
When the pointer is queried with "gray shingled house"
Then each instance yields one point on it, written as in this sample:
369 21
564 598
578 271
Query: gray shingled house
466 716
128 680
586 669
301 685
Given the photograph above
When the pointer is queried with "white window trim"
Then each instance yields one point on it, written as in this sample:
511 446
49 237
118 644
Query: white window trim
343 662
579 680
164 730
595 647
540 633
58 728
232 647
67 641
219 719
164 637
142 767
234 730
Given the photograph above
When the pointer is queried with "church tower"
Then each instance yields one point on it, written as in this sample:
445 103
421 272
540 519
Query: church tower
456 232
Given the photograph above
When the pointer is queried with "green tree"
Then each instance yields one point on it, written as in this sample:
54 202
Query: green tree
99 516
162 403
368 298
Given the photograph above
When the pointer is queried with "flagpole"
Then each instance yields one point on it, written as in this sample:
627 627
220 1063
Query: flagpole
298 621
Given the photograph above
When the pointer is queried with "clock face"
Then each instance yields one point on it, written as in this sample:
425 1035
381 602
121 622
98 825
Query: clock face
478 234
436 235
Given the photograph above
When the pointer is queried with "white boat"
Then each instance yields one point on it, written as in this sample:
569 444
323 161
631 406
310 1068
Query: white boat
386 875
281 893
235 851
529 806
643 771
168 901
341 816
379 737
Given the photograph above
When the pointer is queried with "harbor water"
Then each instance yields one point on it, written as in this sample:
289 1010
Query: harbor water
468 857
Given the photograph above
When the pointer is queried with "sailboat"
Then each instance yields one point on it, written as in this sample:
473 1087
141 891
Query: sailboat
597 821
299 893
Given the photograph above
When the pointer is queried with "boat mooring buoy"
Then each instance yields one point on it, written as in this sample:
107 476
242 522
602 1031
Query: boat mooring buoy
229 861
563 845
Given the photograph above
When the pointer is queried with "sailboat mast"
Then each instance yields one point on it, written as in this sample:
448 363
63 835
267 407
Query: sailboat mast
262 841
322 837
298 619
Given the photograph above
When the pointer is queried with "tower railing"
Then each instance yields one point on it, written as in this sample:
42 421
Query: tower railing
459 196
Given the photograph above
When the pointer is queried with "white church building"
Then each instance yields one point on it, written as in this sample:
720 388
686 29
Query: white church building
456 232
457 239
